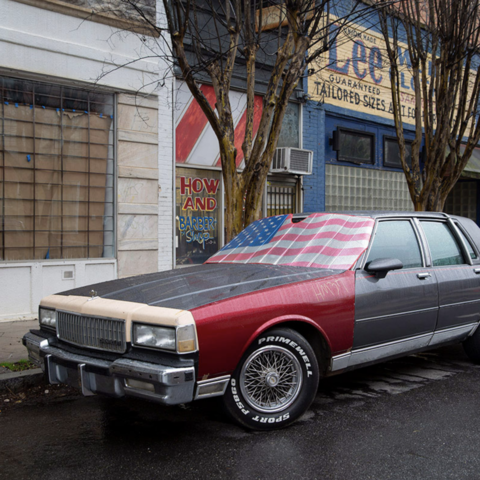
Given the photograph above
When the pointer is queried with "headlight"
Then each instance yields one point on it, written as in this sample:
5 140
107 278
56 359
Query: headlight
47 317
181 340
155 337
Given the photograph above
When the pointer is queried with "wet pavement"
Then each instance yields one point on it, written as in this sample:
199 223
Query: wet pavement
413 418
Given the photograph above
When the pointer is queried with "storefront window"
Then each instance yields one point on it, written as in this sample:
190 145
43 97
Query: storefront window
290 132
354 146
392 152
198 211
56 172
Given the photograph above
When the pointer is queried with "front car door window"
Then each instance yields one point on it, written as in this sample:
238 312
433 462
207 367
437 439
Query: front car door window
396 239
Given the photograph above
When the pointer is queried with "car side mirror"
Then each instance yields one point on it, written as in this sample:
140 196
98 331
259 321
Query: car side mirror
381 266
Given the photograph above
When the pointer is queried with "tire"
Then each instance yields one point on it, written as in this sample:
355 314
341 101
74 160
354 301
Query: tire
472 346
258 396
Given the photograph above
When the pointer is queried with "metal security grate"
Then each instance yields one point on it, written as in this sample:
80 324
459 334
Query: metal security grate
100 333
462 200
281 199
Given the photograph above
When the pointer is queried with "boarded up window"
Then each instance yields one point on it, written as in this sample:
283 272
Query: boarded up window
56 172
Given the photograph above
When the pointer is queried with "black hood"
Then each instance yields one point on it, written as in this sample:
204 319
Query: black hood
193 287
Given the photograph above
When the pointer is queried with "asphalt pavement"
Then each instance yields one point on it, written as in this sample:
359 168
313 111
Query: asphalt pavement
411 418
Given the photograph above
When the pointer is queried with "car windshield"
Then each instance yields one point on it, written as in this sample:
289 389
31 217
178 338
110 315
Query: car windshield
321 240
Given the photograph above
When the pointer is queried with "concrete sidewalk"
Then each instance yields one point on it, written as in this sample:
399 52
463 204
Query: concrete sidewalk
11 333
12 350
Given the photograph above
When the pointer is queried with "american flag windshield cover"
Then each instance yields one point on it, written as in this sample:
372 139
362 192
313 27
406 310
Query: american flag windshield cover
321 240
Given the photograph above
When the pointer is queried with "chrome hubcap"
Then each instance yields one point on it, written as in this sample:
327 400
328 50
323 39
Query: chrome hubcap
270 379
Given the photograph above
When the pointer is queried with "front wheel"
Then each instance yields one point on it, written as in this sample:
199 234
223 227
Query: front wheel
275 381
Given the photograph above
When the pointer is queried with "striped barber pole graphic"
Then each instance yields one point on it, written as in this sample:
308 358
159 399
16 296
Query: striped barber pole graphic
322 240
195 140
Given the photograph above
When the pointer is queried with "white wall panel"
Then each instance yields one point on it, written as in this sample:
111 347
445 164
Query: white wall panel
49 43
22 286
15 291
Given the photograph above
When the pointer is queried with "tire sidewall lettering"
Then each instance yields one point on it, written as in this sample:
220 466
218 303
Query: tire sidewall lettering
282 341
279 418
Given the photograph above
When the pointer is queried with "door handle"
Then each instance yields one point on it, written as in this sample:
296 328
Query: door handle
476 270
423 276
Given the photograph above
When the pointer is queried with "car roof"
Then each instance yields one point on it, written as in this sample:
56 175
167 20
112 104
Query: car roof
380 214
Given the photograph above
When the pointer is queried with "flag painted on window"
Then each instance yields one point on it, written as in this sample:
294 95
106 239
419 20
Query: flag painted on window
322 240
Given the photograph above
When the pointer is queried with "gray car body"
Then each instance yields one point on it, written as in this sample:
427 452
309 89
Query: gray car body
409 310
414 309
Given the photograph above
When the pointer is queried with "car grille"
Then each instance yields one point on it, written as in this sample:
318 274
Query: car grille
100 333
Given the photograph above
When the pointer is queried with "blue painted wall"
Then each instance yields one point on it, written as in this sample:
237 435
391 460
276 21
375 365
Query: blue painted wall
313 139
320 120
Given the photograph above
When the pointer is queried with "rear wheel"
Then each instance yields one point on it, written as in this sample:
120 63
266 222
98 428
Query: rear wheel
472 346
275 381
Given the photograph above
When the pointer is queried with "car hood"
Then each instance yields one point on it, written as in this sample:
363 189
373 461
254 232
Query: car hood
194 287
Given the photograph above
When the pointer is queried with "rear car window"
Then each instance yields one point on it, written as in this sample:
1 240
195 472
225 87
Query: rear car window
443 246
396 239
468 244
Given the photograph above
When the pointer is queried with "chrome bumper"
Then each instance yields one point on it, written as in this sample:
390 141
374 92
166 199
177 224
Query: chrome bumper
122 377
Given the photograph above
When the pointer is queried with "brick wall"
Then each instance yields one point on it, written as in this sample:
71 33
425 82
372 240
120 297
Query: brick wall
314 139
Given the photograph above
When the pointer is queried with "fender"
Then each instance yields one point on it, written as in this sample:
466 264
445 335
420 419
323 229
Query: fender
278 321
227 327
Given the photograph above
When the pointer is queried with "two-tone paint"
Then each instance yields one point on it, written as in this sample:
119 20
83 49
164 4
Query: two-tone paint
353 317
230 305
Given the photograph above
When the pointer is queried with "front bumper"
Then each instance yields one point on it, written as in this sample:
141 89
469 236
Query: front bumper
118 378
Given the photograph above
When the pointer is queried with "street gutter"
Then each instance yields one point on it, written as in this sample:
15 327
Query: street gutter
15 381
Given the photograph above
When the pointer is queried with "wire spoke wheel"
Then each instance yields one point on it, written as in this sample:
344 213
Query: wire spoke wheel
271 379
274 382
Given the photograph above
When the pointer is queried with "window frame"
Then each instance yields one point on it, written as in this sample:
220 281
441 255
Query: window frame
387 138
358 133
416 232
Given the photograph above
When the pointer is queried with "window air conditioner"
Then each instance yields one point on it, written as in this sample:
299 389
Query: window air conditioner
292 160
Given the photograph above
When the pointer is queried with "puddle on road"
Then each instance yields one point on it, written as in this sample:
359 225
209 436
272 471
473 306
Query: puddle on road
394 377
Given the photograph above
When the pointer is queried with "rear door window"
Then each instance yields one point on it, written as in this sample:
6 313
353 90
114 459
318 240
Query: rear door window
468 244
396 239
443 246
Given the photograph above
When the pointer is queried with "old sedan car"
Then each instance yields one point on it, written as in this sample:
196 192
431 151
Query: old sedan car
290 300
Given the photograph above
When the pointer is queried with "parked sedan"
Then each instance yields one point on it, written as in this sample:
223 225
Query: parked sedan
291 300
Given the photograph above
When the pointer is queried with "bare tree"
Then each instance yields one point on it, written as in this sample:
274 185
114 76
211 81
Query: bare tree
442 40
213 40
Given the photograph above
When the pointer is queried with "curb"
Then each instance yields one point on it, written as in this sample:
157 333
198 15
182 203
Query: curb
15 381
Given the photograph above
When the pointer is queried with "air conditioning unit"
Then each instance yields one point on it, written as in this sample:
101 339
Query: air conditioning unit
292 160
